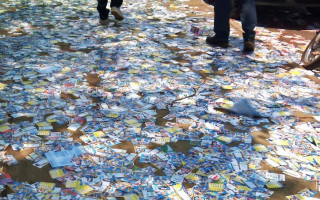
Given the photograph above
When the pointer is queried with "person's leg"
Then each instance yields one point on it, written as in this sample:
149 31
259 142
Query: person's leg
116 3
248 16
102 9
222 9
115 9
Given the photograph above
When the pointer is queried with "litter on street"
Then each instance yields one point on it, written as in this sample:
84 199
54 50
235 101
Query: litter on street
144 109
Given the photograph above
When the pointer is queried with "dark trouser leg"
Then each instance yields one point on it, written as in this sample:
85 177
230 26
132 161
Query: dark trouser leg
248 16
222 11
116 3
102 9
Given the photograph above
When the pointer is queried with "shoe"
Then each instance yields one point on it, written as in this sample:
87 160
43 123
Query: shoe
104 21
217 42
248 46
117 13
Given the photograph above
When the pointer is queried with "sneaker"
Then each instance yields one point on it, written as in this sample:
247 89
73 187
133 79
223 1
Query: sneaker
217 42
104 21
117 13
248 46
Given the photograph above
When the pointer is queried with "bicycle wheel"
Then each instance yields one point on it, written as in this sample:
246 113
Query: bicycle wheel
311 55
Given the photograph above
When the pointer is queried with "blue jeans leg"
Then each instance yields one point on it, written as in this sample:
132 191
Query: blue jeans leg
222 9
248 16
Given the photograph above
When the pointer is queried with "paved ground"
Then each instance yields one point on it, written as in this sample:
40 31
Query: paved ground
149 83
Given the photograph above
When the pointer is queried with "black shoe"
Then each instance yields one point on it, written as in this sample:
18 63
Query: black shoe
248 46
117 13
104 21
217 42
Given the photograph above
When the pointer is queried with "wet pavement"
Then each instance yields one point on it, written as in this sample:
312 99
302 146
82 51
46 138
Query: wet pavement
145 109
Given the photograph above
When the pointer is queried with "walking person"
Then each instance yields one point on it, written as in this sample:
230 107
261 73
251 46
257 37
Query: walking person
104 12
248 17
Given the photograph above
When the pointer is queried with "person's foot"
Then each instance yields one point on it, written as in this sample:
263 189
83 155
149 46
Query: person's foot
217 42
116 12
248 46
104 21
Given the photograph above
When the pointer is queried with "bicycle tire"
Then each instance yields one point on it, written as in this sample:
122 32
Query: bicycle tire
314 63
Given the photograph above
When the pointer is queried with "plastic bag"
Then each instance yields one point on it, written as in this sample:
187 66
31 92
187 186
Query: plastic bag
243 107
